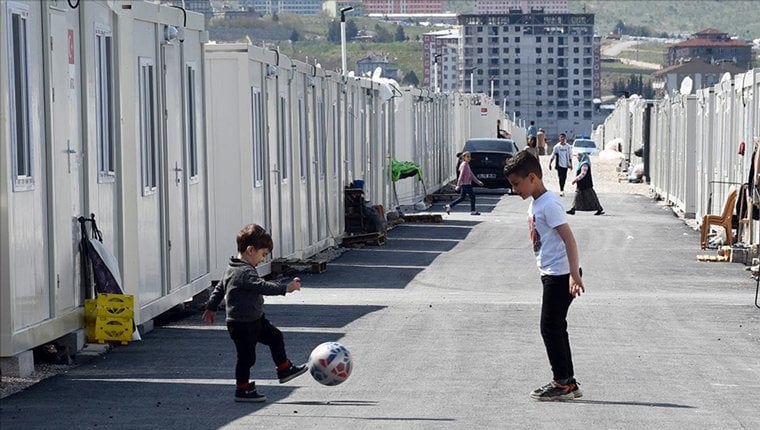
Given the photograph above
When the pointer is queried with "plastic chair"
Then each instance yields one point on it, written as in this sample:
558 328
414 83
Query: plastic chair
723 220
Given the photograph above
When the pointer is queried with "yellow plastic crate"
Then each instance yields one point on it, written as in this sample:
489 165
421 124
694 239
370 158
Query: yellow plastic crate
110 305
107 329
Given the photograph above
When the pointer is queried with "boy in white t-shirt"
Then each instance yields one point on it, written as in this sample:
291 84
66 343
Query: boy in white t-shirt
562 154
557 259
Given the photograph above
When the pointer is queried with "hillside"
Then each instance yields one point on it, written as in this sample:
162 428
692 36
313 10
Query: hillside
672 17
739 18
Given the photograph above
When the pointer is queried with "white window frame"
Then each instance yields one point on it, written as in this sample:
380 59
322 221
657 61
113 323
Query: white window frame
321 138
336 139
284 139
191 122
258 136
148 124
302 139
104 103
22 155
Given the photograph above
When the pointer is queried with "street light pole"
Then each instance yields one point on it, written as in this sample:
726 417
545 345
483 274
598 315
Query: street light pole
435 72
343 12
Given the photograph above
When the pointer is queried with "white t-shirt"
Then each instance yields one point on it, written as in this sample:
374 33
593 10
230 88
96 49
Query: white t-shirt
545 214
564 154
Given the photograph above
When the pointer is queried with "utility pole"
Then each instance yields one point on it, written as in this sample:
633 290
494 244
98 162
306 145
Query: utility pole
435 72
343 12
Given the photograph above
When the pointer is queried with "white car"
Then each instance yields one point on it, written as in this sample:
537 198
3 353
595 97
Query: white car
584 145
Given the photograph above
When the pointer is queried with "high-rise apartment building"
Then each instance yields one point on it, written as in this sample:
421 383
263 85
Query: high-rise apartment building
544 67
525 6
441 48
297 7
403 6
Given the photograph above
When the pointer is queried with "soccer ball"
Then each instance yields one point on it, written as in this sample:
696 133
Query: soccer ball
330 363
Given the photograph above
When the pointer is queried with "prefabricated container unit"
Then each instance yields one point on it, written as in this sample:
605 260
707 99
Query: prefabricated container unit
102 107
284 154
704 142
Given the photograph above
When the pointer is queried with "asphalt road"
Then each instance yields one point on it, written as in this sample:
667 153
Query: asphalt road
442 322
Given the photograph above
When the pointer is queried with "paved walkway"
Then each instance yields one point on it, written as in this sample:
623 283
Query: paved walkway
442 323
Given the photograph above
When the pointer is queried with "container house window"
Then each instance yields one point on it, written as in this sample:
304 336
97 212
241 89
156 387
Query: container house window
192 121
302 144
257 136
284 142
147 120
321 138
104 105
18 69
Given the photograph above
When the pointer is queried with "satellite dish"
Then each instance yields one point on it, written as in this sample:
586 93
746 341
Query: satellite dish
686 86
726 77
376 74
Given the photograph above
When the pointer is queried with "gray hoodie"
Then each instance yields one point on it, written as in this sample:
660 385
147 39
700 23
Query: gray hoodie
243 290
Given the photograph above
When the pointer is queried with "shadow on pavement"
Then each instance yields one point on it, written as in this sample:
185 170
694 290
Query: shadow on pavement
409 249
649 404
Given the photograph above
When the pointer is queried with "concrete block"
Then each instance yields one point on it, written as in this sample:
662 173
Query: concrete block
21 365
145 327
74 341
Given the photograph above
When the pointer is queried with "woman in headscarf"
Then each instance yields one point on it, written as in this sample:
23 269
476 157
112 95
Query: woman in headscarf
585 196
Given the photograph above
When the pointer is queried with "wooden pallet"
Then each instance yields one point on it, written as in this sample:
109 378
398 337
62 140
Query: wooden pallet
430 218
377 239
283 265
712 258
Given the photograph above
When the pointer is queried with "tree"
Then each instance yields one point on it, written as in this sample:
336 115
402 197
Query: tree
382 35
351 30
333 32
294 36
400 35
411 79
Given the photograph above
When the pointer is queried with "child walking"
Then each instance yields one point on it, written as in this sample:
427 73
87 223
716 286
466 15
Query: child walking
243 290
464 183
557 259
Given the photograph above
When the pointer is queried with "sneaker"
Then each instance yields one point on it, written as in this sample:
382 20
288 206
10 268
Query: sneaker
577 393
599 212
555 391
291 372
447 208
561 193
475 213
571 212
249 395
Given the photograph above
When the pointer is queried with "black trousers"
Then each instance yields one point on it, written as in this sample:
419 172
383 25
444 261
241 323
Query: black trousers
246 335
465 190
562 173
554 306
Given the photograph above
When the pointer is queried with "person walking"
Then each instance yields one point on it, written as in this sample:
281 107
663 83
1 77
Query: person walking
532 130
585 196
556 253
464 185
532 146
541 140
562 156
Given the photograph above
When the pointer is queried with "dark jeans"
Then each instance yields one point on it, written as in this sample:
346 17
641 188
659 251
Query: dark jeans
562 173
246 335
465 190
556 301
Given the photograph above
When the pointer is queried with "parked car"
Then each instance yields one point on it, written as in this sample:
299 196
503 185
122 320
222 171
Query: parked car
488 158
584 145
